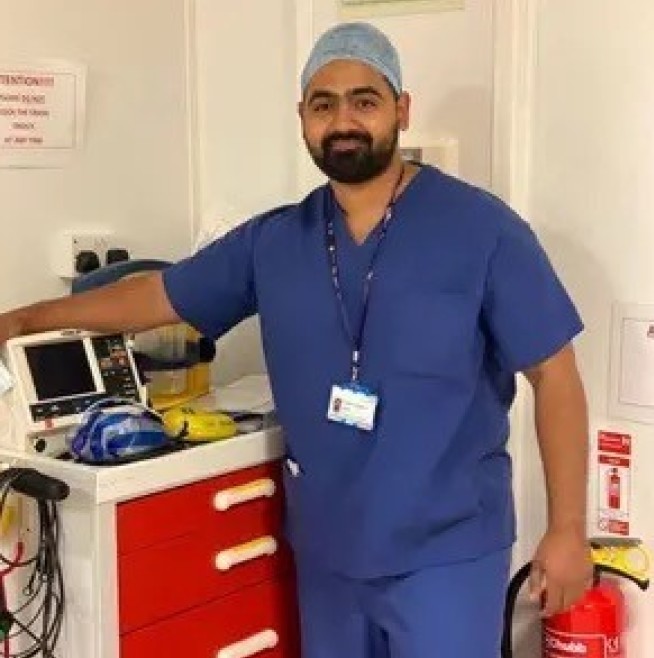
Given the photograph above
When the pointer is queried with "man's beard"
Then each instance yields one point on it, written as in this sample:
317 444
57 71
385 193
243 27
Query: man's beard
359 164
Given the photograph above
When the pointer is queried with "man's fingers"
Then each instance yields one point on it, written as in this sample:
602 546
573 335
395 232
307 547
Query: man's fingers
553 600
559 599
536 583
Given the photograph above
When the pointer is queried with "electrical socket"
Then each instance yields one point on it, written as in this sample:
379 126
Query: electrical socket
69 244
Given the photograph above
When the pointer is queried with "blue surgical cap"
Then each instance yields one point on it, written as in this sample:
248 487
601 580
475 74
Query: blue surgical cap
356 41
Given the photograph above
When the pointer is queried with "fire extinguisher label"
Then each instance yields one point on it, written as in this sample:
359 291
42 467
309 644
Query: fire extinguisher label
614 482
577 645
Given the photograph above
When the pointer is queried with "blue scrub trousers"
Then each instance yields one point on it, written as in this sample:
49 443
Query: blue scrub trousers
448 611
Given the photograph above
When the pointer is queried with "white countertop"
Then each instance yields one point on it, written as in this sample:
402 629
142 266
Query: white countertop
106 484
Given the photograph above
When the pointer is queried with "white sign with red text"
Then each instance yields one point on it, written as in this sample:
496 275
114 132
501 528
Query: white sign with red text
614 482
41 113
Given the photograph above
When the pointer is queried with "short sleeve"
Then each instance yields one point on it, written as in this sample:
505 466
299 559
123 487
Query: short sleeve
214 290
526 309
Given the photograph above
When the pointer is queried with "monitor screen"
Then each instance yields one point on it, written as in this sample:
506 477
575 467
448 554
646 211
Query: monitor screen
60 369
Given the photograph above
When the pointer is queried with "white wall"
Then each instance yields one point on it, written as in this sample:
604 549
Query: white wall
592 201
246 125
131 175
246 119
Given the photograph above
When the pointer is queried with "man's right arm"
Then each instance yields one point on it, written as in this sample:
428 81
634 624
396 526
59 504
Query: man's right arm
129 305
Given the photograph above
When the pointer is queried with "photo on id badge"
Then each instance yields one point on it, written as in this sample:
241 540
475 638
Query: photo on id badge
354 405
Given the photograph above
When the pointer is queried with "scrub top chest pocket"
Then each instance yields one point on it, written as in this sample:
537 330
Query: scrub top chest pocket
434 333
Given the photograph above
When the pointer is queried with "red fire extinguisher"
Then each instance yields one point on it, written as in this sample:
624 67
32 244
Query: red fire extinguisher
593 627
614 488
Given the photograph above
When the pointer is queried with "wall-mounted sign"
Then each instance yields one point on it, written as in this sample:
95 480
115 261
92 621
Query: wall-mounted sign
614 482
41 113
362 8
631 385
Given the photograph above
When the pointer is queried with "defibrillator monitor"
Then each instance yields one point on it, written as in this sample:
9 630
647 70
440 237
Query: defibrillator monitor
59 374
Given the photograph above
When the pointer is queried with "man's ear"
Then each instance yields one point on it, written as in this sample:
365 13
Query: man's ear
403 110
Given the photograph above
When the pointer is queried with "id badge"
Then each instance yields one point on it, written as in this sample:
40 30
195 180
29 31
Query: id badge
354 405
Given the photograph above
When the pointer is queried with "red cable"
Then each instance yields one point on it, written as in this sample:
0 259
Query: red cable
18 556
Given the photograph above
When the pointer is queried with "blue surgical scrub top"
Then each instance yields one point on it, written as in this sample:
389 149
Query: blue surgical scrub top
463 297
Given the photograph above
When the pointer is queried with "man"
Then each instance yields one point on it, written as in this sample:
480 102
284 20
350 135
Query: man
413 299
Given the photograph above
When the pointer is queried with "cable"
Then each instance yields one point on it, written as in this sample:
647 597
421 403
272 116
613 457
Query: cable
44 592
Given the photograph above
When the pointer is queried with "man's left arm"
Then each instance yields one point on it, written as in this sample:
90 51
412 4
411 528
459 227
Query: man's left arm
562 566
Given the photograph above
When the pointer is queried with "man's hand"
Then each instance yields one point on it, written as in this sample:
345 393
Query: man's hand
562 570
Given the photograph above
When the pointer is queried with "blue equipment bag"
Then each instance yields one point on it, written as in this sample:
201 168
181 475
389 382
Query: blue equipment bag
116 431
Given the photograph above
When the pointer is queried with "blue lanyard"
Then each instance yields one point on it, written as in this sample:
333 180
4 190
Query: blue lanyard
357 338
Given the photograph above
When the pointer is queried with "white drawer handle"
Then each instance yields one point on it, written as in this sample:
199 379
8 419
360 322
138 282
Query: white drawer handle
255 644
263 488
230 557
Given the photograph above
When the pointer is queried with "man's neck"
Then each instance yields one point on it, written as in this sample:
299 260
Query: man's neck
363 204
356 198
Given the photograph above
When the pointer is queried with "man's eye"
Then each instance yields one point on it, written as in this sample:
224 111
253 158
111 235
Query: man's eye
319 108
366 104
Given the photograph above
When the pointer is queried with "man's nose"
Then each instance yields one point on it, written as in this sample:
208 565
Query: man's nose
343 118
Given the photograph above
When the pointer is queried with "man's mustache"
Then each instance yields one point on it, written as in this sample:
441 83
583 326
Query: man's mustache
329 141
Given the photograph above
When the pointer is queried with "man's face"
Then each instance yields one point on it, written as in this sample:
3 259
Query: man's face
351 120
